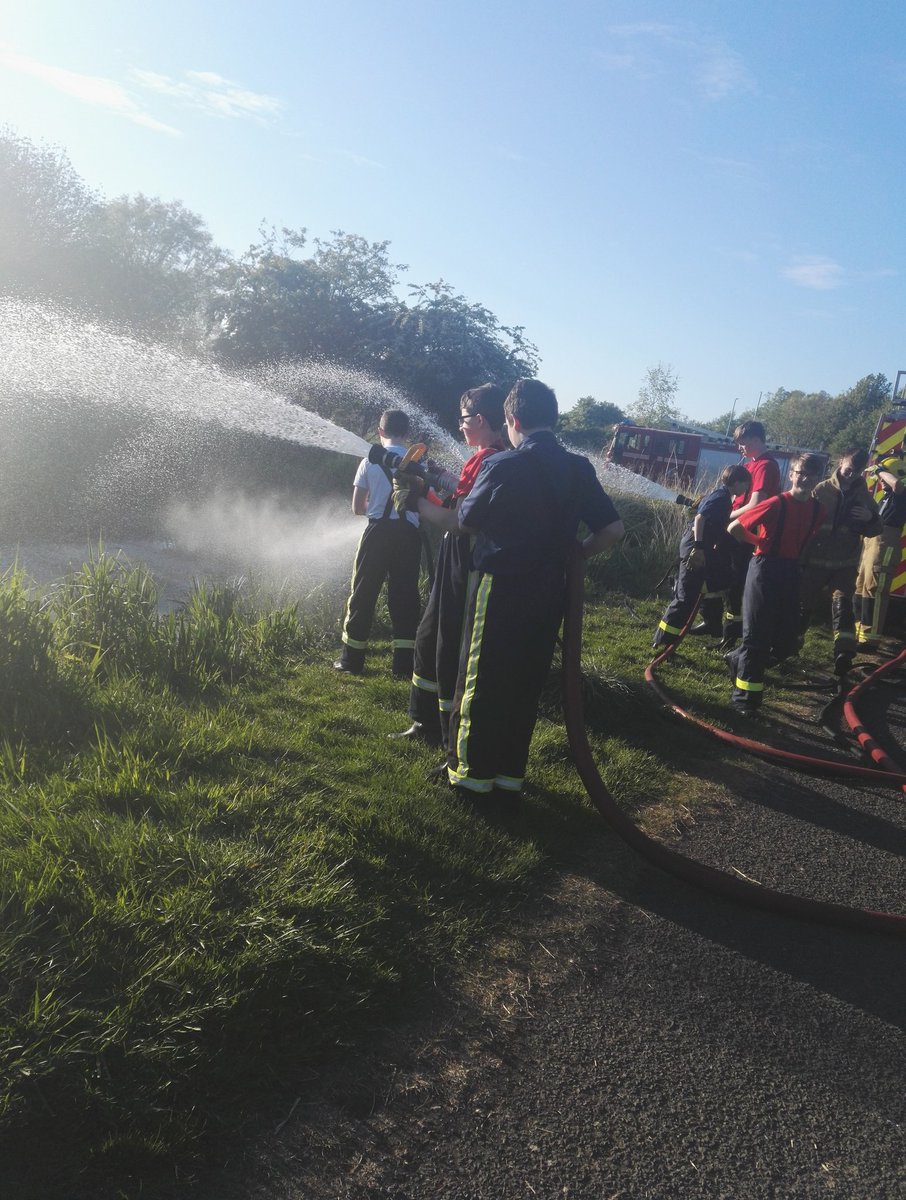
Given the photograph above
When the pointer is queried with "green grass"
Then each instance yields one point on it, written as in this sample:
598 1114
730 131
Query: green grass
216 868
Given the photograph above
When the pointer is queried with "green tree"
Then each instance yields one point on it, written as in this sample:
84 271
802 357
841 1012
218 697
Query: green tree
445 344
589 423
656 403
45 212
856 412
155 264
796 418
337 303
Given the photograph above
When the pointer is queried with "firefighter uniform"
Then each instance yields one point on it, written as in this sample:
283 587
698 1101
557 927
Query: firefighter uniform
770 605
881 557
831 558
765 473
439 638
707 581
525 509
389 550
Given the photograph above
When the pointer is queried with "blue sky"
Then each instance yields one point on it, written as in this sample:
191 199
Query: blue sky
713 185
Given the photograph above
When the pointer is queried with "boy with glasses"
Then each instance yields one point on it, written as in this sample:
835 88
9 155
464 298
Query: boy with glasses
437 642
779 528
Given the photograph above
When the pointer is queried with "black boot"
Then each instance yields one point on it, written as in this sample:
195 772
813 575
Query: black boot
351 660
417 732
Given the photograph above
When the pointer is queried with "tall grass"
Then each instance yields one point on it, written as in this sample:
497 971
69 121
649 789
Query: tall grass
641 559
103 621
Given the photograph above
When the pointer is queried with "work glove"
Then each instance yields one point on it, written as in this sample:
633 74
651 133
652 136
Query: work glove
695 559
407 487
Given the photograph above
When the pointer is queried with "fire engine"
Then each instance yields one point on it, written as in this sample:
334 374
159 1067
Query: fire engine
889 442
687 457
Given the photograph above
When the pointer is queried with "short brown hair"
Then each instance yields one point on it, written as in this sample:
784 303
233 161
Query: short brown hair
534 403
488 401
735 474
394 423
811 464
748 430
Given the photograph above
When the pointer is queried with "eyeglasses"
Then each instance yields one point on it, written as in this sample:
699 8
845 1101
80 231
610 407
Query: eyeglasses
800 474
466 417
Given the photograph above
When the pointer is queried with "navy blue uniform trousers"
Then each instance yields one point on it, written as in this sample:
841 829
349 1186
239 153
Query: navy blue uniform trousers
770 623
508 645
438 643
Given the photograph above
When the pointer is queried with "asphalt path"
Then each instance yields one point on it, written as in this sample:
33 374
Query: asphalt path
691 1048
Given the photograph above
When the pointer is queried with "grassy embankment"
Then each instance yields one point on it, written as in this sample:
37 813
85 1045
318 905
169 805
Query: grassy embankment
215 868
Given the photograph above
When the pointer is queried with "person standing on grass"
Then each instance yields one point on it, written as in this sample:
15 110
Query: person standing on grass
831 558
764 472
389 550
881 554
437 642
705 550
779 528
524 511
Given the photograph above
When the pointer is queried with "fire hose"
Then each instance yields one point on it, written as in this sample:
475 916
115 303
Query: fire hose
866 741
735 887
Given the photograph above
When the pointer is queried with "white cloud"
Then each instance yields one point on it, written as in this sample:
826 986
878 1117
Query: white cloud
90 89
650 47
819 274
212 93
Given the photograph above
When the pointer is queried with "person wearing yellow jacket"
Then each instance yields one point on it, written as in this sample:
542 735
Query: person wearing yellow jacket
881 555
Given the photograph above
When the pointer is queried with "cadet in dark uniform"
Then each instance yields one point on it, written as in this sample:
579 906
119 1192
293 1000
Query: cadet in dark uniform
704 552
524 510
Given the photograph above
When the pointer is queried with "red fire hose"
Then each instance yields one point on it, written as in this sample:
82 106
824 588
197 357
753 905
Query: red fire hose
866 741
886 776
722 882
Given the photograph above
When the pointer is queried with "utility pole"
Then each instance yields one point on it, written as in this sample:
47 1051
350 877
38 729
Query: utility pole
732 413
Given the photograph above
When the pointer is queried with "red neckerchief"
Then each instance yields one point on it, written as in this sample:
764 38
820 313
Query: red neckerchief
470 470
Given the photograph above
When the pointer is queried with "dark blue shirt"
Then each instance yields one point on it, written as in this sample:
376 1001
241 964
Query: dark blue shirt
526 506
715 508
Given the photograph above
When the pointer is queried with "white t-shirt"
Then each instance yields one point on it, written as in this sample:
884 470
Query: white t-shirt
372 479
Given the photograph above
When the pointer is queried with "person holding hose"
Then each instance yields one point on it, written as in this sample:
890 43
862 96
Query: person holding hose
779 528
705 551
437 642
389 550
524 511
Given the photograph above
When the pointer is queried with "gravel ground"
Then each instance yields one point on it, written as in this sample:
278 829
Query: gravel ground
670 1044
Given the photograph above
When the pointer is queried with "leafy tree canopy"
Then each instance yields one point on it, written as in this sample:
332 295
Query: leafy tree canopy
656 403
589 423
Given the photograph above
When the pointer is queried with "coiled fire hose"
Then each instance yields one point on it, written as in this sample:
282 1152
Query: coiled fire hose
711 878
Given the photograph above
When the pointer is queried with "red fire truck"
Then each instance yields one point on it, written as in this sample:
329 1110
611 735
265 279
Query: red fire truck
685 457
